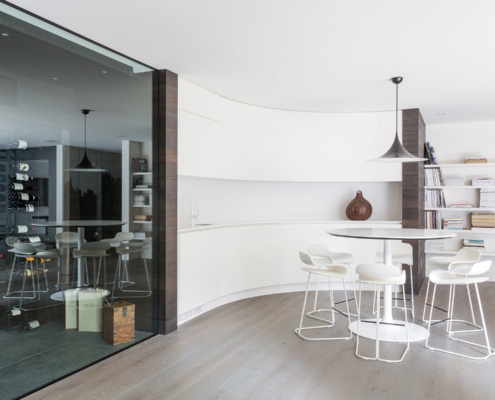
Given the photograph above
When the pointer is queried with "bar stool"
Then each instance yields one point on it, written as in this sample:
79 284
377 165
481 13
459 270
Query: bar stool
332 258
119 239
98 252
402 253
466 275
26 252
336 271
463 256
380 275
66 241
122 280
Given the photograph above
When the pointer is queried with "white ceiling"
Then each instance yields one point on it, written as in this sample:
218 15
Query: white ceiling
311 55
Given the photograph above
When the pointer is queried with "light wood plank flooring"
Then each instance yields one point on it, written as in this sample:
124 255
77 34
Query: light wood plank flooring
248 350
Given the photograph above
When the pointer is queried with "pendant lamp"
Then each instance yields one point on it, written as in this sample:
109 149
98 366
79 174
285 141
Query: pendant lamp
397 153
85 165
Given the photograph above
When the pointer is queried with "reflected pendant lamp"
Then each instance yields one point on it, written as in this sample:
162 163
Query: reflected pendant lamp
85 165
397 153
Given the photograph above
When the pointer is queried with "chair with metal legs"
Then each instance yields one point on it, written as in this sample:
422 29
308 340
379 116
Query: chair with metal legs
322 252
97 251
402 253
380 275
66 242
119 239
122 278
464 256
336 271
466 275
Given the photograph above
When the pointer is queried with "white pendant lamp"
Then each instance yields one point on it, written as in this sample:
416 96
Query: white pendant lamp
85 165
397 153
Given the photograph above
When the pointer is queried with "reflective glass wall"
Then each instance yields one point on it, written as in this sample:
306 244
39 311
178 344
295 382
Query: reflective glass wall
75 258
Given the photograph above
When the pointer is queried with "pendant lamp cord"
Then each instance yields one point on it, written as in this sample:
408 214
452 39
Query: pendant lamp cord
396 108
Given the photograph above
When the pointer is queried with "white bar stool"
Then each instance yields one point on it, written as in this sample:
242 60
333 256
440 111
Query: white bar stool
402 253
468 275
66 241
380 275
122 280
330 272
464 256
98 252
332 258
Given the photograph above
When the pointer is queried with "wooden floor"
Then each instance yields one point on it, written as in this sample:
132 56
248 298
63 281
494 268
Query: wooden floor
248 350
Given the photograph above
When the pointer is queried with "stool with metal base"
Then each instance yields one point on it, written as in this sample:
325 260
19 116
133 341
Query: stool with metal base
330 272
122 280
402 253
119 239
321 255
452 279
66 241
380 275
98 252
464 256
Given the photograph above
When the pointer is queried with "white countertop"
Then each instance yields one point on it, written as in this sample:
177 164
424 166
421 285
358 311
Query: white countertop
201 226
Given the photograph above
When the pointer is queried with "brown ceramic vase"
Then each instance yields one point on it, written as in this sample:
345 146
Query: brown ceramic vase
359 209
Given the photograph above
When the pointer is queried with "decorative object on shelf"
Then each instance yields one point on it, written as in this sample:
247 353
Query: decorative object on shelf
397 153
85 165
359 209
139 165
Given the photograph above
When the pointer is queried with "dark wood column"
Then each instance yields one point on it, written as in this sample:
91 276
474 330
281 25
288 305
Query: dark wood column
165 128
413 177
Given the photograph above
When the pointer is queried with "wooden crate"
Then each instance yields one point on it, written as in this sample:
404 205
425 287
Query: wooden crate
118 322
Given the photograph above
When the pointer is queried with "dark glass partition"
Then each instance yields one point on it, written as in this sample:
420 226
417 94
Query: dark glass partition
75 258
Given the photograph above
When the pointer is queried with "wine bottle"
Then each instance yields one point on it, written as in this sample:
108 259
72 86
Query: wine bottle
17 176
22 187
21 196
19 166
35 323
14 312
16 206
15 229
19 144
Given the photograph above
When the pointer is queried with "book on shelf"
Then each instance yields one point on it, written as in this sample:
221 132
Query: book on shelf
430 154
142 186
477 243
476 160
433 220
453 223
482 182
141 217
483 220
434 198
139 165
453 180
460 205
434 177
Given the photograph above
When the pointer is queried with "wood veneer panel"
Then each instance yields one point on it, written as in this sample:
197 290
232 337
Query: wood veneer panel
165 128
413 139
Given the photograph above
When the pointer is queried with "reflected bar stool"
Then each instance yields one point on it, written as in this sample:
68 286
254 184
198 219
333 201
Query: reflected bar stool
26 253
98 252
380 275
467 275
336 271
463 256
402 253
122 280
66 241
326 258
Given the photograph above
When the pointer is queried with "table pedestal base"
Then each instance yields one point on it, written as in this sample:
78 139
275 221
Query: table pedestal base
390 333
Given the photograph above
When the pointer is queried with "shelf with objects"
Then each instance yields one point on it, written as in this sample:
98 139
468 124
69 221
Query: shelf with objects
461 197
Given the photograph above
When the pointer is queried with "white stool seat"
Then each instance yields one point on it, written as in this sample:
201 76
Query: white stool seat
380 275
98 252
331 272
119 239
452 279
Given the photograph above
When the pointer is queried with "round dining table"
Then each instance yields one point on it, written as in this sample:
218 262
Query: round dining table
391 329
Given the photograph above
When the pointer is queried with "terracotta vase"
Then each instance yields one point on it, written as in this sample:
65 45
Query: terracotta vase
359 209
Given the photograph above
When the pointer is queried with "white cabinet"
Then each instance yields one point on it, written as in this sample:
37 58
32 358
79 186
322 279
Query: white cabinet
452 205
224 139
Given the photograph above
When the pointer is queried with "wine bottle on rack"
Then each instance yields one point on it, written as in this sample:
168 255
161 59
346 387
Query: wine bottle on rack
16 206
17 176
15 229
22 196
19 144
35 323
22 187
19 166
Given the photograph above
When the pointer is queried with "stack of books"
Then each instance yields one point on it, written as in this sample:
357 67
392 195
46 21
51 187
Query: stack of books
432 220
139 200
483 182
434 198
480 221
476 160
453 181
142 217
453 223
433 177
476 243
487 197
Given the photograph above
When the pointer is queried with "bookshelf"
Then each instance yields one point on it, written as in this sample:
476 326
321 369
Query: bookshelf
461 197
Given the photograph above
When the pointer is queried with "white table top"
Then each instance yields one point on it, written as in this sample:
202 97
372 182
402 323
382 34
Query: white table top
392 233
79 223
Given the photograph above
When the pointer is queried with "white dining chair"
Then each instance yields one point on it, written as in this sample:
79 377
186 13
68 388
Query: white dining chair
380 275
466 275
320 267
